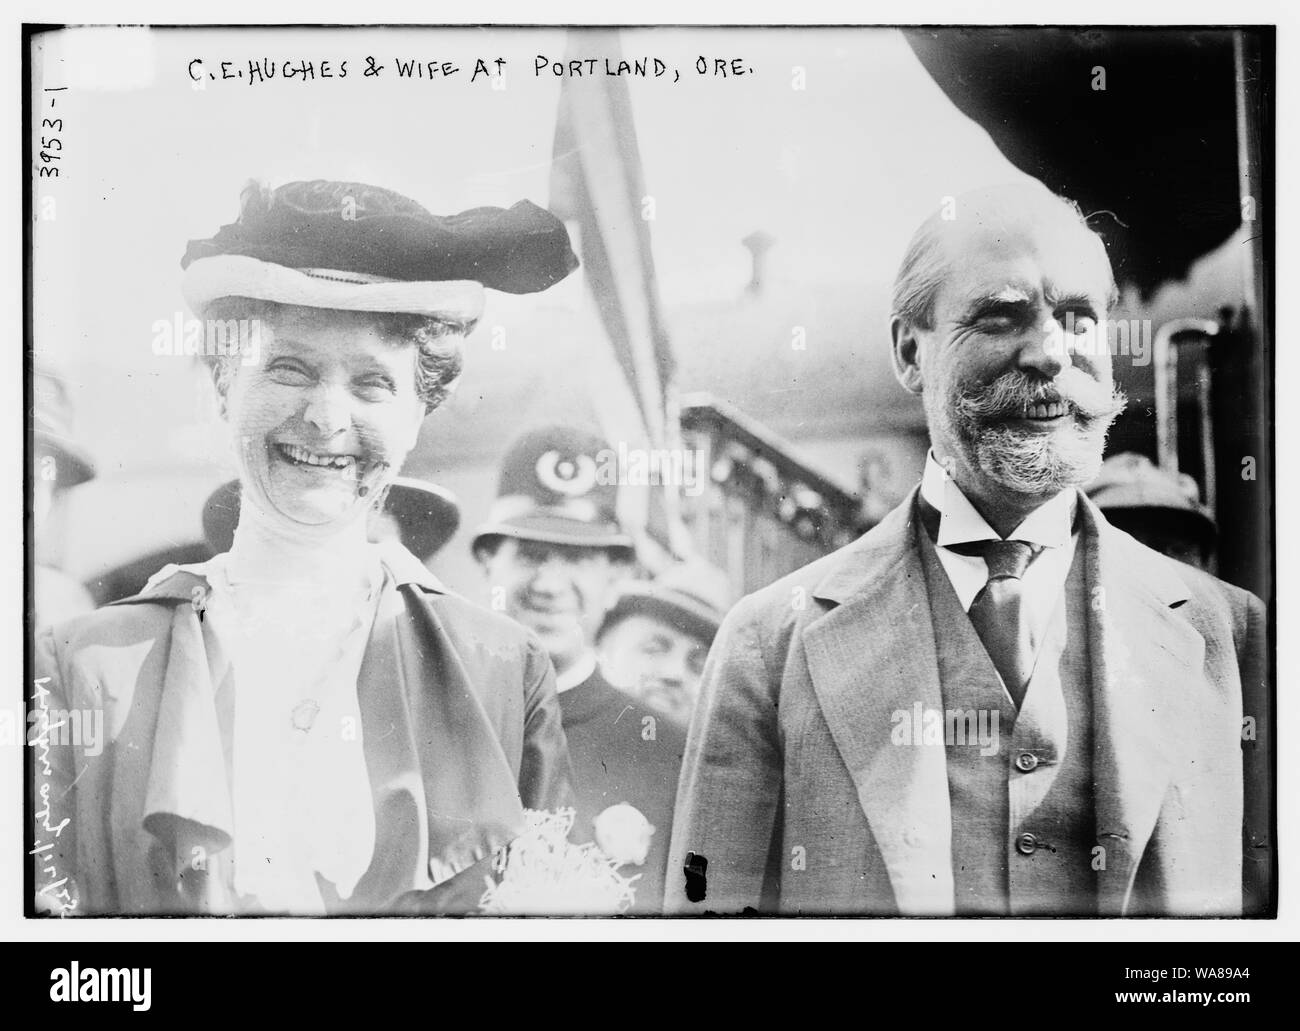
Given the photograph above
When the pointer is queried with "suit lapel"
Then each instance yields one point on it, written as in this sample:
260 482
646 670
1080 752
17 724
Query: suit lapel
1143 656
873 666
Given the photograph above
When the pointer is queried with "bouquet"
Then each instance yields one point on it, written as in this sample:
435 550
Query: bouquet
541 873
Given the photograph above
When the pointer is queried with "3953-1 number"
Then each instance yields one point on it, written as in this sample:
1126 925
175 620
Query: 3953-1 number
50 148
51 145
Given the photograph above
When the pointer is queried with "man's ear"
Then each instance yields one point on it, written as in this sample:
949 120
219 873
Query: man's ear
906 353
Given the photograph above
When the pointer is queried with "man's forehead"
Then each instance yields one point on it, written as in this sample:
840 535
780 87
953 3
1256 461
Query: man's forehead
567 552
1025 265
648 623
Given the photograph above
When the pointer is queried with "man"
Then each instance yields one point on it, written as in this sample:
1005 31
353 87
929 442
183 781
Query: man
655 639
554 555
60 464
1161 509
992 703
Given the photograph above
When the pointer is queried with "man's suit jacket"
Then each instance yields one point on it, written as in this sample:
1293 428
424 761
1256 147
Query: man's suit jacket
460 727
794 795
623 752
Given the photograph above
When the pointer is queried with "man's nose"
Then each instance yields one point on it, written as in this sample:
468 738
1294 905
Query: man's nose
549 577
328 410
671 677
1046 348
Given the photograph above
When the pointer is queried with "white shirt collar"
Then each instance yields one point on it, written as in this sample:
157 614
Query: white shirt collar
577 673
1050 525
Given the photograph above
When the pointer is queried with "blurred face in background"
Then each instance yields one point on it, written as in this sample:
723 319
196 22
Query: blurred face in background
561 592
656 662
48 531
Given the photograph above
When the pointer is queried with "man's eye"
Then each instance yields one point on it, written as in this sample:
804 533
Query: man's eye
999 318
1081 323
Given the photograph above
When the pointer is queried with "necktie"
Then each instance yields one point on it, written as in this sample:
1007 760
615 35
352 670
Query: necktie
999 617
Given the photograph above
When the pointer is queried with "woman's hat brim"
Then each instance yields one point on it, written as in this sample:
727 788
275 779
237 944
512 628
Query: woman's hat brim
236 275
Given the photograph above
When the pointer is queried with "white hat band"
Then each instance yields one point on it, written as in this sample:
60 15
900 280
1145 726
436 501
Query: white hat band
236 275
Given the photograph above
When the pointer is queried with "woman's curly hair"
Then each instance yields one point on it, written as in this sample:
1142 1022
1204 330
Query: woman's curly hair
439 357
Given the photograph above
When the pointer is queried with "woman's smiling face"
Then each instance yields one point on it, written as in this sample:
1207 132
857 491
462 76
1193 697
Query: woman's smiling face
326 416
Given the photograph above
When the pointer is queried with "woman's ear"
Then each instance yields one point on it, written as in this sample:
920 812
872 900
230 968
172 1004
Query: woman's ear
221 376
906 353
418 416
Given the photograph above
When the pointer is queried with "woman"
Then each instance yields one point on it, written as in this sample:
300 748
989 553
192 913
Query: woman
309 723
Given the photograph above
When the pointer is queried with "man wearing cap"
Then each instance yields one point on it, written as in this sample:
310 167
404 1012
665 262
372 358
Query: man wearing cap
1161 509
993 703
310 723
655 639
554 555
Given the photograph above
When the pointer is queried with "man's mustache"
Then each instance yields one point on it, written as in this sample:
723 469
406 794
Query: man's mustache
1012 394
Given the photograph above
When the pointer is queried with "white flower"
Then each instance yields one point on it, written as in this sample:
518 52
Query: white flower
623 833
541 874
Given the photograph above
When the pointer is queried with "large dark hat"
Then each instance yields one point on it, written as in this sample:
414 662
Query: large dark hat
52 428
356 247
426 515
558 485
1132 485
692 596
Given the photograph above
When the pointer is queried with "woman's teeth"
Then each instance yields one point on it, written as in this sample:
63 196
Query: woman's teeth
1049 411
304 457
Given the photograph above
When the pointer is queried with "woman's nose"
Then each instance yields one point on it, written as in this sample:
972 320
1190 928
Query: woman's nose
328 410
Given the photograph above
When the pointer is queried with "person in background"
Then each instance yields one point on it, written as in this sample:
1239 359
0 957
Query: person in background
555 555
1161 509
61 463
420 516
655 639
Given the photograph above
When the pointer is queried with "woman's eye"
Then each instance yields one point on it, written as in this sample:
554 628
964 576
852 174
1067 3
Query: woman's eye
375 390
288 373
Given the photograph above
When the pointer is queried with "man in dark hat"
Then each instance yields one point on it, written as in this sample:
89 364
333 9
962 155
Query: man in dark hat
1161 509
655 639
60 464
420 516
555 554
